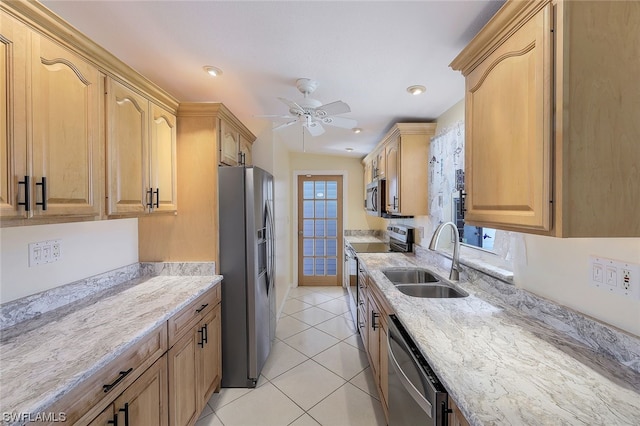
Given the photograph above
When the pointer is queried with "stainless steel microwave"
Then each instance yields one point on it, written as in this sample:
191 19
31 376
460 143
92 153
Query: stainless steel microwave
375 202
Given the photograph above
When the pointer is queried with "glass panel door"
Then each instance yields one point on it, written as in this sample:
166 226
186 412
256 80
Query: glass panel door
319 230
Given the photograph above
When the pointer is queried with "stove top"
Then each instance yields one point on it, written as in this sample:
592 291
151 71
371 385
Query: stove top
371 247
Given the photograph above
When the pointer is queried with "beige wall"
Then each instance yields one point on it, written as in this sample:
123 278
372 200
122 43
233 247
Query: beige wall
88 248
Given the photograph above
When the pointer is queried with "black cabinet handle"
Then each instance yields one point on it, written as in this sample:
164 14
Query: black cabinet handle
122 375
43 184
205 335
126 413
150 198
374 317
157 204
445 411
202 308
113 422
27 193
201 342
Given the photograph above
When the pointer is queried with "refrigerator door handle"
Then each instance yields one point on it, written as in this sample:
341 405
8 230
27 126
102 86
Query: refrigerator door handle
270 245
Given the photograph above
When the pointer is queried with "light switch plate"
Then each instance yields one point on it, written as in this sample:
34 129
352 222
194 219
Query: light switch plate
45 252
615 276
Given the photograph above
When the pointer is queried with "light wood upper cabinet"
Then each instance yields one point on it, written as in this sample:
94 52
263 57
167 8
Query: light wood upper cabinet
163 181
14 38
127 150
67 130
141 154
245 151
229 144
551 148
381 161
392 159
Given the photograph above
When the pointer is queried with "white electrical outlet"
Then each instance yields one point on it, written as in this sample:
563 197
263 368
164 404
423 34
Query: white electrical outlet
45 252
615 276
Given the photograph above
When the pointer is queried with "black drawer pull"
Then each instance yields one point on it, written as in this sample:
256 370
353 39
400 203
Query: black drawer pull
27 193
157 203
43 184
150 198
122 375
202 308
205 336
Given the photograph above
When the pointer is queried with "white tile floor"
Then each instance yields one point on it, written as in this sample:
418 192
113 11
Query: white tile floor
317 372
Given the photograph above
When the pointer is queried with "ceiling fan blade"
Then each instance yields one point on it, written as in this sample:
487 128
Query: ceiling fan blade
287 124
345 123
273 116
337 107
294 108
314 128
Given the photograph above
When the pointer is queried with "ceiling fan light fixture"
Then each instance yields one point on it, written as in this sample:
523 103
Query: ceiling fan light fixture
357 130
416 90
212 71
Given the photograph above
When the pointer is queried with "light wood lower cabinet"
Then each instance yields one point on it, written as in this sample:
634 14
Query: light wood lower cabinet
456 418
194 368
144 403
373 331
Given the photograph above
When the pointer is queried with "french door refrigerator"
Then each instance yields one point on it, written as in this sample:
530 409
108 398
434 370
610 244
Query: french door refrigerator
245 196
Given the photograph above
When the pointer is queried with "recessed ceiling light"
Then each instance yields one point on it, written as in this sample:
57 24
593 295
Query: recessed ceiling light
416 90
348 149
212 71
357 130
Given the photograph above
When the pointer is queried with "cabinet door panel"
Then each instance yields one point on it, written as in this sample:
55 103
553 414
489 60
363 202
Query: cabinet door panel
209 354
67 93
508 111
229 144
127 150
183 391
146 398
13 130
163 158
391 166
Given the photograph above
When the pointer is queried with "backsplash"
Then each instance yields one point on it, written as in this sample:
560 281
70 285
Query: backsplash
30 307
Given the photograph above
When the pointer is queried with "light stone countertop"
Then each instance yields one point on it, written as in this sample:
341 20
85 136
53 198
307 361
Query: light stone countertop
40 365
504 367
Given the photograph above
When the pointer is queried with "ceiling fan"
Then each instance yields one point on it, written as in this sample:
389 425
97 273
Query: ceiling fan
312 113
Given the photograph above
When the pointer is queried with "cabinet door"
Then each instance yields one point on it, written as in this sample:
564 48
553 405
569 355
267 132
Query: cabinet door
245 151
373 338
163 160
392 161
106 418
229 144
209 357
67 94
144 403
381 163
508 145
127 150
13 131
183 400
384 361
367 177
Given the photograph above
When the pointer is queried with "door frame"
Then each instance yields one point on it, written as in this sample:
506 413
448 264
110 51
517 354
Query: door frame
294 208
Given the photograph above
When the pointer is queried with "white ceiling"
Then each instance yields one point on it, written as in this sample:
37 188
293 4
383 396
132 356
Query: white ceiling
365 53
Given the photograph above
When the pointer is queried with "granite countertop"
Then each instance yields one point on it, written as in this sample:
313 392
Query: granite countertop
505 367
41 364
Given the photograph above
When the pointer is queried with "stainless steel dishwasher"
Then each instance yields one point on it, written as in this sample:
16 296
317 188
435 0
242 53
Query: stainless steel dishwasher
416 396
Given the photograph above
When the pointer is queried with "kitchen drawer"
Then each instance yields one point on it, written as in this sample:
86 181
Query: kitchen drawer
193 313
91 397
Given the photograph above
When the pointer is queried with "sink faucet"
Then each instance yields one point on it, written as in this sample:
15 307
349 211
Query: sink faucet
454 275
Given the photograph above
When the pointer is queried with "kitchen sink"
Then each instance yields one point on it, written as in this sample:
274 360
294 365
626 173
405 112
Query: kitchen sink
438 291
410 276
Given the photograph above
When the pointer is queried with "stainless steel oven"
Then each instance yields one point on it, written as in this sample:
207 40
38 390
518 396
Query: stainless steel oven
416 396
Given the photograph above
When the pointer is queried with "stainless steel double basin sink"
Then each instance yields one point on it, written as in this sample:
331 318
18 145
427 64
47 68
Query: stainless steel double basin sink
419 282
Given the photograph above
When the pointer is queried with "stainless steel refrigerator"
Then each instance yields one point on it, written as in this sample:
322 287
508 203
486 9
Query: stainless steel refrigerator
247 263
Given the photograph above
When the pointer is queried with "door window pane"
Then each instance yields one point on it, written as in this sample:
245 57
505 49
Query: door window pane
332 209
307 189
307 267
307 209
332 190
332 266
320 206
320 190
319 247
332 228
320 266
307 247
319 228
307 228
332 247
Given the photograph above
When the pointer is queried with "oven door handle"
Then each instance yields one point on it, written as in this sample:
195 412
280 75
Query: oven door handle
406 383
